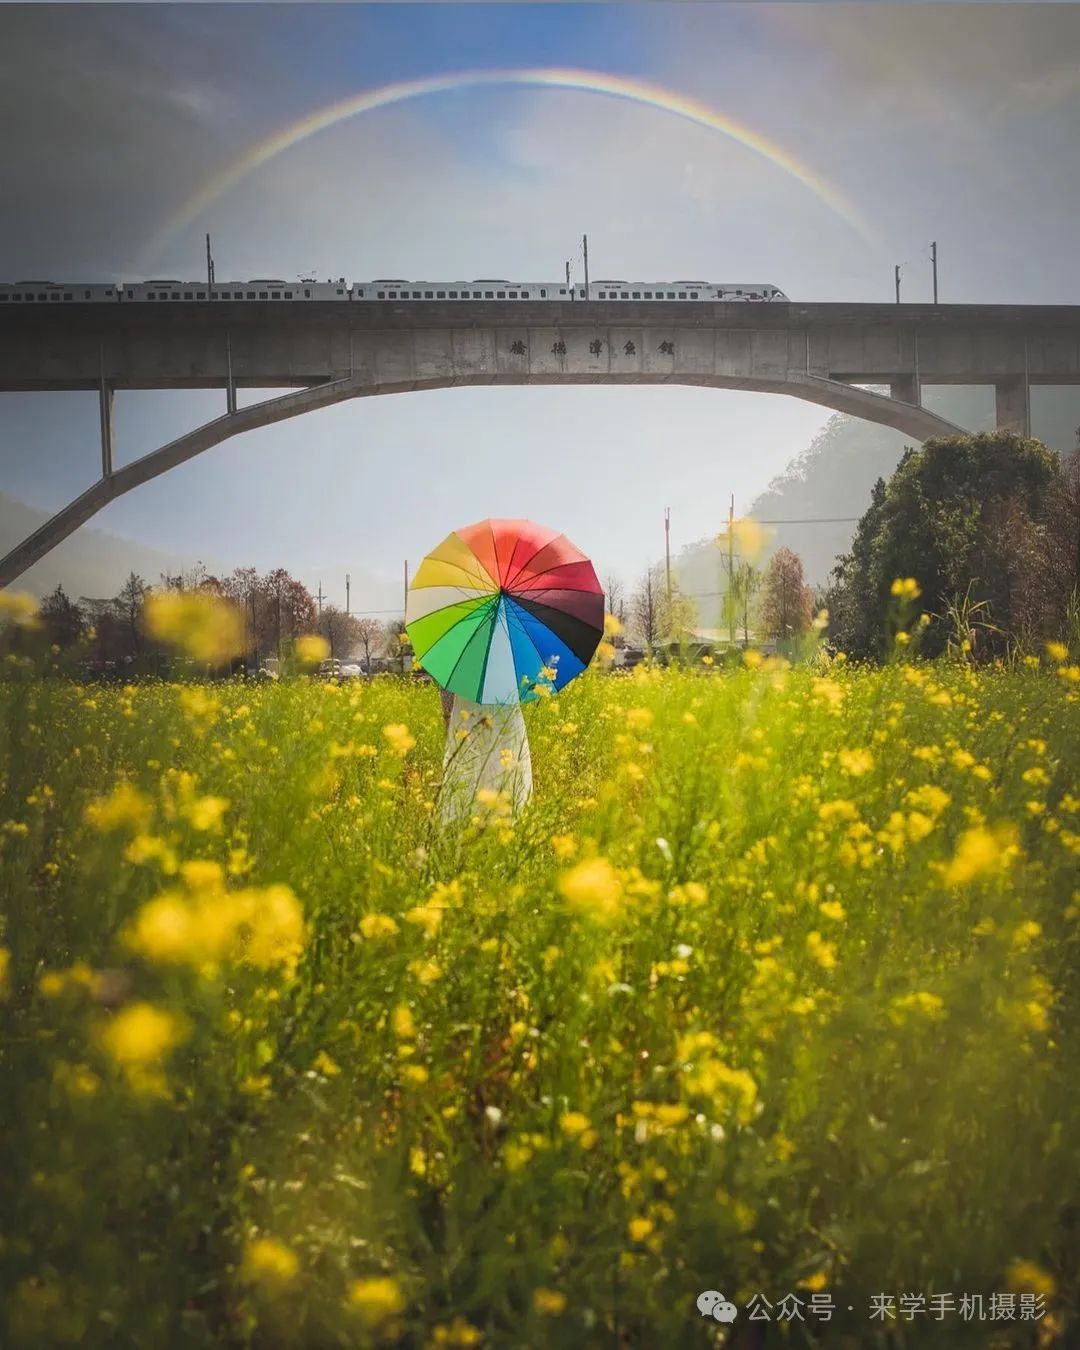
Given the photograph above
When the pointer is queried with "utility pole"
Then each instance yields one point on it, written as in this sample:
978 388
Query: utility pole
731 569
667 553
209 268
933 259
320 597
585 249
897 272
347 581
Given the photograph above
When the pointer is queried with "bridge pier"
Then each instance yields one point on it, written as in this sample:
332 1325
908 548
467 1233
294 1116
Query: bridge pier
906 389
1012 397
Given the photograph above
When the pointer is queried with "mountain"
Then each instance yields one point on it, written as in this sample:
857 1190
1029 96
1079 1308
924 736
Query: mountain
830 482
89 562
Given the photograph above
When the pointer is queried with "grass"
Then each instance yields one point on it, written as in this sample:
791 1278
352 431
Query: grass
772 989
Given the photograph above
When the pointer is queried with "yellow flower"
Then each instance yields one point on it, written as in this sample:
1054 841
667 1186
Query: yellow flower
979 851
326 1066
1057 651
427 972
549 1302
592 887
752 659
20 608
142 1034
206 627
402 1021
824 953
1027 1277
905 588
269 1262
832 909
819 1280
574 1123
639 1229
5 969
856 762
427 917
928 1005
205 813
124 808
376 1299
375 926
310 649
400 738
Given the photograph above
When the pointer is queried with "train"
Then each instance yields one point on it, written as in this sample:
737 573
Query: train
382 289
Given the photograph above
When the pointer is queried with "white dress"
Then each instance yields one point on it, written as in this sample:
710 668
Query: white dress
492 754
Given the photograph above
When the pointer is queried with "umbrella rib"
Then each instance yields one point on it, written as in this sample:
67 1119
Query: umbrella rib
522 566
457 663
528 638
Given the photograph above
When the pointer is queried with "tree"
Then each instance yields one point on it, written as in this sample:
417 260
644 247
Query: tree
128 606
785 602
63 618
743 588
369 637
615 604
341 630
645 609
953 517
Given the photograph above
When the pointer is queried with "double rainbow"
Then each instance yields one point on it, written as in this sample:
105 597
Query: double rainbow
502 607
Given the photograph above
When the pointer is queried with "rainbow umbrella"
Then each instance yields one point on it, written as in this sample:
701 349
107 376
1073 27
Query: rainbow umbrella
501 607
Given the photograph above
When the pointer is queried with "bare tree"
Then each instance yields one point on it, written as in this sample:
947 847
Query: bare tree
341 630
645 609
615 602
369 637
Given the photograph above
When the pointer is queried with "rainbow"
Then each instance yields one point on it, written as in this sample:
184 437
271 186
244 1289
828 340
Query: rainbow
586 81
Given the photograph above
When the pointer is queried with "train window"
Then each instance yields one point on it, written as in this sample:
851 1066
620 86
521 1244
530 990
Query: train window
251 295
738 292
262 295
189 295
288 295
275 295
637 295
624 295
440 295
428 295
359 293
17 296
524 295
213 295
476 295
86 295
603 295
54 296
42 295
340 291
67 295
452 295
382 295
671 295
682 295
392 294
513 295
543 293
562 290
131 294
753 295
693 295
109 291
648 295
489 295
500 295
307 292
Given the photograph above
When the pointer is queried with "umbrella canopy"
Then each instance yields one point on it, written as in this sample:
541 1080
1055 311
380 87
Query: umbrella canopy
503 606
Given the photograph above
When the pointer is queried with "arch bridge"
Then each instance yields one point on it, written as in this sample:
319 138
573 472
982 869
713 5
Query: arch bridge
332 351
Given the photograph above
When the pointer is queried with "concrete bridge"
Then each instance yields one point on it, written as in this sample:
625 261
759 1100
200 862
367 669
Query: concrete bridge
331 351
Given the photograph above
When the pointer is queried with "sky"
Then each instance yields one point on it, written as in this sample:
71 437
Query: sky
954 123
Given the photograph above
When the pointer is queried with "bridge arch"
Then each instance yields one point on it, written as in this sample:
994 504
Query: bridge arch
907 417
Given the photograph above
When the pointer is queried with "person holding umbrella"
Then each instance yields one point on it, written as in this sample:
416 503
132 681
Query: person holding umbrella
502 613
